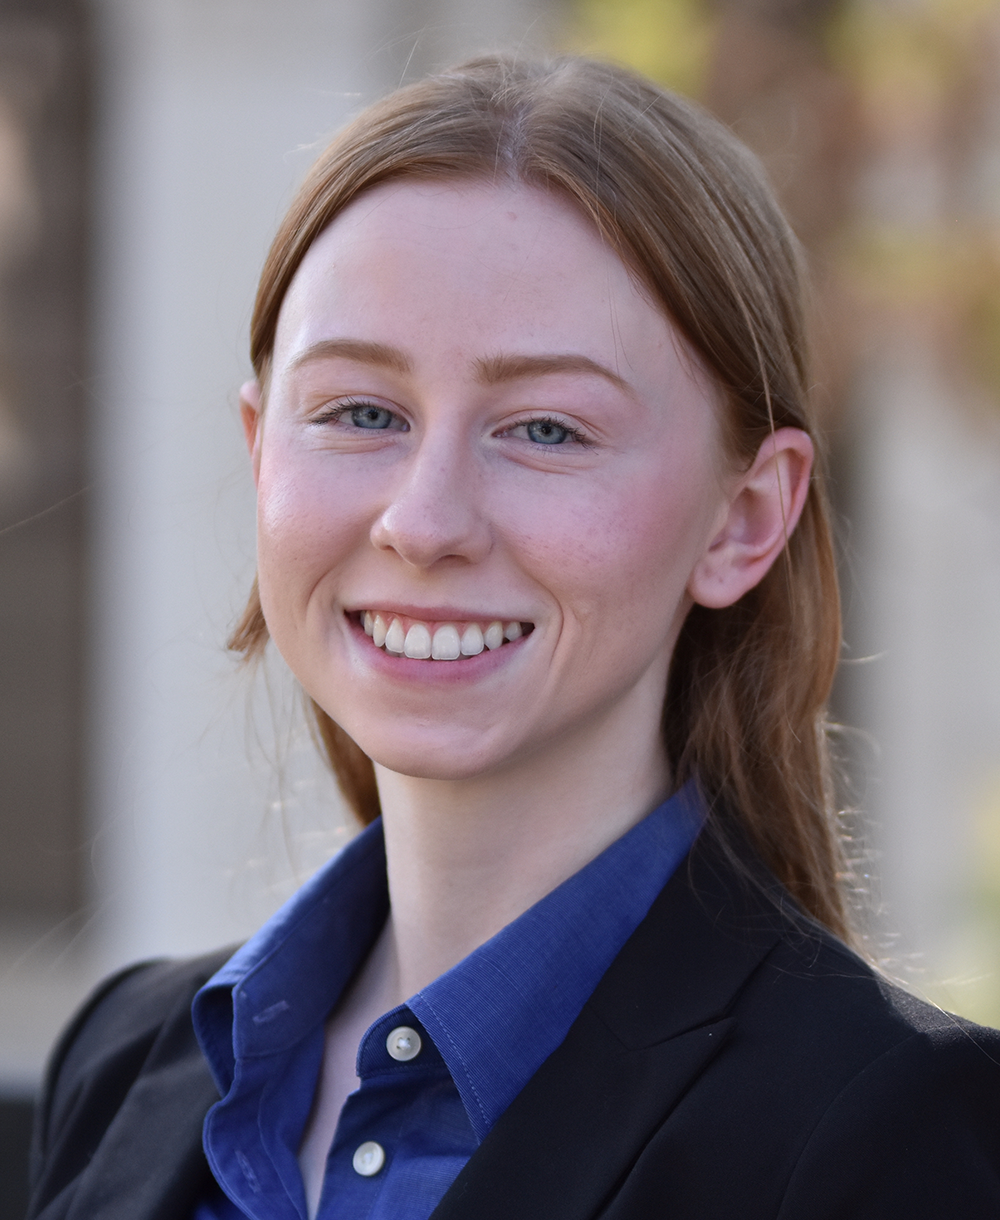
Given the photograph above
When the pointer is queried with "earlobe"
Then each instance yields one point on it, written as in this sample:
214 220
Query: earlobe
251 410
764 509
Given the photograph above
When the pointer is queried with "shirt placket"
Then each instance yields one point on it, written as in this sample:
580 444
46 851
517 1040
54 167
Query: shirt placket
396 1060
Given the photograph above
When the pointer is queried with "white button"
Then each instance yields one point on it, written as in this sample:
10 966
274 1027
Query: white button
403 1044
369 1159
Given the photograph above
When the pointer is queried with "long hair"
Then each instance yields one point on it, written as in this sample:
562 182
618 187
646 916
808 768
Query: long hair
687 208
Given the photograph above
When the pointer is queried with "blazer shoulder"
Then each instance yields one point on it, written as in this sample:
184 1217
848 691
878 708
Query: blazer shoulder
840 996
801 976
122 1017
813 1019
915 1131
103 1051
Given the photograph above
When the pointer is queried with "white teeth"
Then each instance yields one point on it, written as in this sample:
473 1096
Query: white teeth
394 638
417 644
449 642
472 640
446 645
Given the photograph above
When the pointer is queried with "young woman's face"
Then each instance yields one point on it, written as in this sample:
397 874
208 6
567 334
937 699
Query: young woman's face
475 419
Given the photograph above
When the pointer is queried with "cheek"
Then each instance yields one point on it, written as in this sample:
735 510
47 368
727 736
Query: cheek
306 524
625 549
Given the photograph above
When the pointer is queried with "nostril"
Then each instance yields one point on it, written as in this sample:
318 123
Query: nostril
433 520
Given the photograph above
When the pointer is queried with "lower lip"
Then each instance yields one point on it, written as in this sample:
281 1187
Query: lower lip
407 670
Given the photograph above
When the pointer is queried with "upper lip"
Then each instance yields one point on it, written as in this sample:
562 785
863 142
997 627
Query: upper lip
437 614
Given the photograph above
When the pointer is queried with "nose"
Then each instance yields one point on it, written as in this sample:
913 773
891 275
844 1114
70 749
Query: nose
435 511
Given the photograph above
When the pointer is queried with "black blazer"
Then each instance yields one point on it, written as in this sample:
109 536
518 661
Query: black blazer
733 1064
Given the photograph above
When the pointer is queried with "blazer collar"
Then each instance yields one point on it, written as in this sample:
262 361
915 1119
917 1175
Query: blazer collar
656 1020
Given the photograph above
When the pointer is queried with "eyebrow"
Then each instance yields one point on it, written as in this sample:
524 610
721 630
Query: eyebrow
359 350
495 369
492 370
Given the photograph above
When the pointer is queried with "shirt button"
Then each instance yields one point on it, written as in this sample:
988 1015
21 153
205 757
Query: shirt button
403 1044
368 1159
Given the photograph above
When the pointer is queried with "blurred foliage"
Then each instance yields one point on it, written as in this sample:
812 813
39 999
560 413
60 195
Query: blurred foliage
667 40
925 77
973 988
902 52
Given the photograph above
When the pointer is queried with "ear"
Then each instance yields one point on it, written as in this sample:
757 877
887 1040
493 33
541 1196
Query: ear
251 415
763 509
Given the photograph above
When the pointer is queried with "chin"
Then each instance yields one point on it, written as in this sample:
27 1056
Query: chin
430 760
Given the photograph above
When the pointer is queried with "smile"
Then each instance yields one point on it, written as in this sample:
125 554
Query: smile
401 636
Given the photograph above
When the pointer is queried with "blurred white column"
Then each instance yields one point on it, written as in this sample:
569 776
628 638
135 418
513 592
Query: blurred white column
208 114
927 533
927 558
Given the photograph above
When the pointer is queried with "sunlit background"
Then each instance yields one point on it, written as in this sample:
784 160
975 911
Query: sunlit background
153 799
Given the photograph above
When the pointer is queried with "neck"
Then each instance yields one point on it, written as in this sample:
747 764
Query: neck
465 857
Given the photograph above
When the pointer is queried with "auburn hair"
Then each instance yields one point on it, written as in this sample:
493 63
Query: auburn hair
687 208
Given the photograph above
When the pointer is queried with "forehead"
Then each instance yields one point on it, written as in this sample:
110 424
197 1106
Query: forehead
472 267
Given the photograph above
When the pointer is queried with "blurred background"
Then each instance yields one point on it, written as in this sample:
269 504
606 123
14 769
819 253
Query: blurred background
154 800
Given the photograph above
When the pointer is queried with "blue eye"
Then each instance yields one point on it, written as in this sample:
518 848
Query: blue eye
371 416
546 432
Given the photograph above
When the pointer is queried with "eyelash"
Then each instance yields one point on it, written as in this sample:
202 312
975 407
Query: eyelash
333 414
574 434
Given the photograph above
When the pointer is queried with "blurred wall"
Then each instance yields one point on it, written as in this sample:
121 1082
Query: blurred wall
43 195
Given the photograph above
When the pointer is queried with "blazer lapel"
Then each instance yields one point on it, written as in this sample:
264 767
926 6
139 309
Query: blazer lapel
652 1026
150 1164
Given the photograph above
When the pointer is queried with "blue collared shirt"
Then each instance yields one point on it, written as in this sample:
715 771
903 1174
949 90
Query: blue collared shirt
485 1027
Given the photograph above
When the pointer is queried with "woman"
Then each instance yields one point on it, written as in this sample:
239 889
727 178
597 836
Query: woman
541 535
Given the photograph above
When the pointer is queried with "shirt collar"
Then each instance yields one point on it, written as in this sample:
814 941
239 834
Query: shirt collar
494 1017
499 1014
281 985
